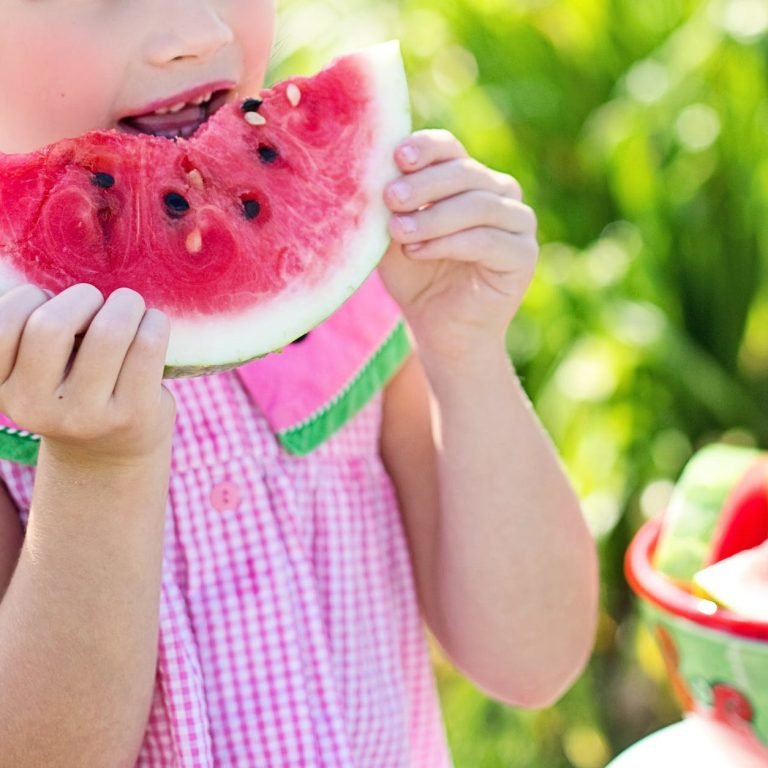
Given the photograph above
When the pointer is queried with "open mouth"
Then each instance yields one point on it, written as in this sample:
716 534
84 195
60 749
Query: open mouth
179 120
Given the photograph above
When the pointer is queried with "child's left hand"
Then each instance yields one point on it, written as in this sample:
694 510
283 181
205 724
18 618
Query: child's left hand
463 246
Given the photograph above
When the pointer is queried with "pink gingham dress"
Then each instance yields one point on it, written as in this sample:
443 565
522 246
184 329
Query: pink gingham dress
289 628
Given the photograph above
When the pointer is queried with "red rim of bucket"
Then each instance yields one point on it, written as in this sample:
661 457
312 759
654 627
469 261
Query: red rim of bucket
652 586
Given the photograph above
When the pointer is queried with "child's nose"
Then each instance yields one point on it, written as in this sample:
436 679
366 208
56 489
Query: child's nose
186 29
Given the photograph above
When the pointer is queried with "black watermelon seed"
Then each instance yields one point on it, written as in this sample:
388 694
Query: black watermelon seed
103 180
251 105
251 208
268 154
300 339
175 205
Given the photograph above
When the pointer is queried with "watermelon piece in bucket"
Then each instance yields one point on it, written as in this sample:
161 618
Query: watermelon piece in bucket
739 583
247 234
687 530
743 522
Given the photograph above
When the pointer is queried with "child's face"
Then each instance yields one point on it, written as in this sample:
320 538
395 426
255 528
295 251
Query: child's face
70 66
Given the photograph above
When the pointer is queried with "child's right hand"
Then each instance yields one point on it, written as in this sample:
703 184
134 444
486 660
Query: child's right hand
105 403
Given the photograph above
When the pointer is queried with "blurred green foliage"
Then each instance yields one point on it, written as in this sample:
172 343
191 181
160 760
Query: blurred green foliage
638 130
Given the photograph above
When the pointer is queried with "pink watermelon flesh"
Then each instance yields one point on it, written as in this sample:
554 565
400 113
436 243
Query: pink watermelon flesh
247 235
743 522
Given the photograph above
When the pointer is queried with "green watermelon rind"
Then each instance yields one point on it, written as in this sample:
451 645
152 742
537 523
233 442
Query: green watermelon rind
695 507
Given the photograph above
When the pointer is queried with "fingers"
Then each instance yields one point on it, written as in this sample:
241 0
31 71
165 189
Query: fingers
468 210
108 394
15 308
49 334
446 179
99 359
424 148
122 356
120 340
501 252
141 373
446 201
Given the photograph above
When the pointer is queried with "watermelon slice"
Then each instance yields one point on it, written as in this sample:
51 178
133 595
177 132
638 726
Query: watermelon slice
743 522
685 540
739 583
247 234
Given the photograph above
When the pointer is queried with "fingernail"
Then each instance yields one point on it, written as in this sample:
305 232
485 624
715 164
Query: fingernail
401 190
407 224
411 247
409 153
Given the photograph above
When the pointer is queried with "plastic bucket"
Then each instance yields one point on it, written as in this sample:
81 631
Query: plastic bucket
716 660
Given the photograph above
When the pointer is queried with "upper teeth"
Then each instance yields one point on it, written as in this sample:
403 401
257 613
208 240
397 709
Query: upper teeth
178 107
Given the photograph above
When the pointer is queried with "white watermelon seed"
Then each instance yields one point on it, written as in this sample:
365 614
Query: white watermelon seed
195 178
293 94
254 118
194 241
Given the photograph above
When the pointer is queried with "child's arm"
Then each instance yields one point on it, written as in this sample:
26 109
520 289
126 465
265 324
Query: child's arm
79 619
11 539
505 566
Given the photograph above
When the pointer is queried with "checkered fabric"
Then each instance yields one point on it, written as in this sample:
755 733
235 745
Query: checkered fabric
289 629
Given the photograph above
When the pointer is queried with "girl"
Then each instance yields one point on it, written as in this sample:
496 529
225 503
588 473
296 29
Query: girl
233 570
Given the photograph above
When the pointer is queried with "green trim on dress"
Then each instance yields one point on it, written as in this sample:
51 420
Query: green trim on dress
326 421
19 446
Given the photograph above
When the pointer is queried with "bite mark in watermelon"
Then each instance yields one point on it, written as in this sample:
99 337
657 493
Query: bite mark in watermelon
247 235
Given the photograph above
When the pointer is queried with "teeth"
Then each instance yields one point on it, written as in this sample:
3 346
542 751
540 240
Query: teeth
178 107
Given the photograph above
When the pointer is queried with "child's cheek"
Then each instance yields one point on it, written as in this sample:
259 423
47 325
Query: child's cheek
54 83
